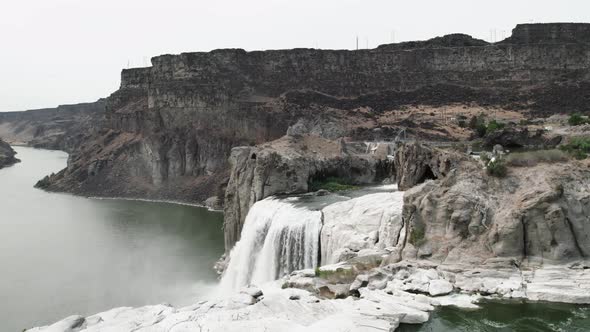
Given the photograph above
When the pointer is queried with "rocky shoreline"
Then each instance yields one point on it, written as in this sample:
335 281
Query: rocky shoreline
7 155
401 293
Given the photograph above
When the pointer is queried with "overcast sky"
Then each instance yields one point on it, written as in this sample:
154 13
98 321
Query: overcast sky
67 51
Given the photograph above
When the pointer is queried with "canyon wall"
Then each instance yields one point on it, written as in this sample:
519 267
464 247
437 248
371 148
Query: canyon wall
60 128
169 129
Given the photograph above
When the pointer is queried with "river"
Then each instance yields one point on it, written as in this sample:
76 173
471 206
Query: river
62 255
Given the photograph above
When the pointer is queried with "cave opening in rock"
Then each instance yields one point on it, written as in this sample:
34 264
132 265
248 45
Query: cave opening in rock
253 156
427 175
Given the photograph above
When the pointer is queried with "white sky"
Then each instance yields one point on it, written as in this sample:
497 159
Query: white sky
67 51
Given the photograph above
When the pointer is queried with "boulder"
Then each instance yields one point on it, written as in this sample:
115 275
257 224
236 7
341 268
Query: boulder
439 287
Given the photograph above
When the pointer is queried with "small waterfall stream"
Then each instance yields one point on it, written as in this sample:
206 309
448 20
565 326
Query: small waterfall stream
277 238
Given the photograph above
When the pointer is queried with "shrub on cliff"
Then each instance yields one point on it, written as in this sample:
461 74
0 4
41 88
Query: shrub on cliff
497 167
417 235
493 126
578 147
477 123
577 119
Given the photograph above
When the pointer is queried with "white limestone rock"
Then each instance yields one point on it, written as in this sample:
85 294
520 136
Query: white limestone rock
439 287
368 222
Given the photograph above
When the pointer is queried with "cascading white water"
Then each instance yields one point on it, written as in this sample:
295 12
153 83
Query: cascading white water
277 238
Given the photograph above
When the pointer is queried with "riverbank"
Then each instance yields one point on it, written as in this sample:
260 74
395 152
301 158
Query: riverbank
276 308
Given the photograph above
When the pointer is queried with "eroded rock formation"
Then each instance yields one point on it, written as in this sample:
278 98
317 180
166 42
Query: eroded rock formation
415 163
7 155
535 213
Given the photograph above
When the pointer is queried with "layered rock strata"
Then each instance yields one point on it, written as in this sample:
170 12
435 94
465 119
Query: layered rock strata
170 128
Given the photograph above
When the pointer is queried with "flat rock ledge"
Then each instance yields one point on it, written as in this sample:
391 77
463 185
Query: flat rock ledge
498 278
378 299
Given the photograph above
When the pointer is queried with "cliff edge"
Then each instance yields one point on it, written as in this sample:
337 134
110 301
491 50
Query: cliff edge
169 130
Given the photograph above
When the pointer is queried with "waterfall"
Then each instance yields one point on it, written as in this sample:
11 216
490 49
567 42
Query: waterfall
277 238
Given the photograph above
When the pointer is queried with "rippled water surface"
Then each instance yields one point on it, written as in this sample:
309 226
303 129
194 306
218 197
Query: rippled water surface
508 317
61 254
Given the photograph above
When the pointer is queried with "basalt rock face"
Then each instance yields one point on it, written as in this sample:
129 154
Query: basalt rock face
62 128
7 155
537 213
548 33
415 163
170 128
288 166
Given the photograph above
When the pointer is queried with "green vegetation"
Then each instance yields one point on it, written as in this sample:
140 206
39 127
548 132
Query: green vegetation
493 126
478 124
497 168
578 147
331 184
532 158
339 273
577 119
462 121
417 235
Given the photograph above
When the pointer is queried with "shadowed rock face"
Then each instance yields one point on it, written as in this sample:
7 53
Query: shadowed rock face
416 163
517 138
169 129
7 155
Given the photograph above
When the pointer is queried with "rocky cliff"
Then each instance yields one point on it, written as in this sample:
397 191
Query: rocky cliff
535 213
7 155
62 128
169 129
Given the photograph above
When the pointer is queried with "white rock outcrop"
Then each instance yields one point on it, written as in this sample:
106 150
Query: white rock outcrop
361 225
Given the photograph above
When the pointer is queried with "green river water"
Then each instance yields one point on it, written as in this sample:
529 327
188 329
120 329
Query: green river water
63 255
